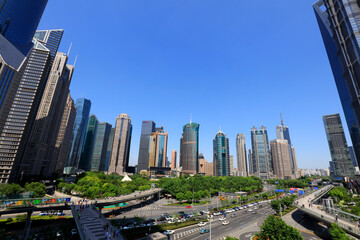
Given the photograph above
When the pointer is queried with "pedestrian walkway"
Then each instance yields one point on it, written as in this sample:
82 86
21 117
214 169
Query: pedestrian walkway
306 204
92 225
147 208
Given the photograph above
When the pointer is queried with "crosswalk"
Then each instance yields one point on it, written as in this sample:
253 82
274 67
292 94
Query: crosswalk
191 231
147 208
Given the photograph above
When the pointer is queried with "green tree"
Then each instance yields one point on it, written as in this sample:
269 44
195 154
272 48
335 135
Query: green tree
180 197
10 189
38 189
275 204
337 233
230 238
275 228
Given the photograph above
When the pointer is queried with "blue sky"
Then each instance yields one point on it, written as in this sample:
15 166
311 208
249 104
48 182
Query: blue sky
229 63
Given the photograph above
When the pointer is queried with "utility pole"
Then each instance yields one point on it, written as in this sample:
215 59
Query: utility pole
210 227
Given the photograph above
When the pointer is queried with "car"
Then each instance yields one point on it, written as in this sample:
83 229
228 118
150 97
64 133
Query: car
227 211
216 213
206 211
59 233
233 215
255 208
201 213
225 222
167 218
169 232
253 212
164 214
181 213
250 210
204 230
181 220
160 219
73 231
234 209
191 215
188 206
222 218
201 224
260 206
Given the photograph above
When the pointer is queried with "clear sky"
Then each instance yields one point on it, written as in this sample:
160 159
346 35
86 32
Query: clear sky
229 63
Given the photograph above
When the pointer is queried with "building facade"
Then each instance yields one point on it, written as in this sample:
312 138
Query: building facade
339 150
65 134
281 159
339 21
221 155
89 144
205 168
109 149
158 148
189 148
98 157
121 145
147 128
173 160
82 115
261 158
241 155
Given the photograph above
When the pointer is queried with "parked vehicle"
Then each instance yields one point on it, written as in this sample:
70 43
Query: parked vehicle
201 224
188 206
233 215
216 213
169 232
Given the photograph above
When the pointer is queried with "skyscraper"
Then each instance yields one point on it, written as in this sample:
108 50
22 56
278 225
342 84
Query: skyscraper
65 134
121 145
173 159
250 157
98 158
261 159
189 148
109 149
86 154
19 20
353 157
221 158
339 23
19 121
82 115
241 155
158 148
281 159
339 151
146 129
282 132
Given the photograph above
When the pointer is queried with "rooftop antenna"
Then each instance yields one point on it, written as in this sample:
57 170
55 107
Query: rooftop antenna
190 118
69 49
75 60
282 122
219 128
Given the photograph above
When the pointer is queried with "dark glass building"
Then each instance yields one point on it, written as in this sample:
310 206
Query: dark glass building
19 20
339 150
261 158
146 129
98 158
189 148
109 149
82 115
86 154
221 155
339 23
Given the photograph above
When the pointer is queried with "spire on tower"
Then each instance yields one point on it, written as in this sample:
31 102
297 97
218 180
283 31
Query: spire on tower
282 122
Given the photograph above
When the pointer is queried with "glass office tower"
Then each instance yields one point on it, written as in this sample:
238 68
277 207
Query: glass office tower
339 23
82 115
339 150
189 148
19 20
85 159
146 129
221 155
98 158
261 158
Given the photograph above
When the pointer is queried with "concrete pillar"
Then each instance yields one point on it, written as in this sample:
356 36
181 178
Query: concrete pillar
28 224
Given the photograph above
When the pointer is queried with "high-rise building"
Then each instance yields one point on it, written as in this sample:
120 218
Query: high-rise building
158 148
19 20
339 22
82 115
121 145
261 159
353 157
339 150
98 158
146 129
41 152
282 132
109 149
241 155
189 148
281 159
221 155
250 157
65 134
232 169
205 168
19 121
173 160
86 154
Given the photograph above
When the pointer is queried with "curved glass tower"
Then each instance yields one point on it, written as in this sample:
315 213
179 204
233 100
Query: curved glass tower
189 148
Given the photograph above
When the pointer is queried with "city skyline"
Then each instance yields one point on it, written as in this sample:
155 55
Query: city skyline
296 70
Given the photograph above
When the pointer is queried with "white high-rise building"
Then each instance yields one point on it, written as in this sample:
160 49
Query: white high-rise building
241 155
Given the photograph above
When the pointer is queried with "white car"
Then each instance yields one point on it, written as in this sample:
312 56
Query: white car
225 222
201 224
206 212
222 218
169 232
216 213
228 211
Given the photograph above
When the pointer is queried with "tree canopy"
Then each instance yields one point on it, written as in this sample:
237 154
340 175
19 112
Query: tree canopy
337 233
10 189
38 189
